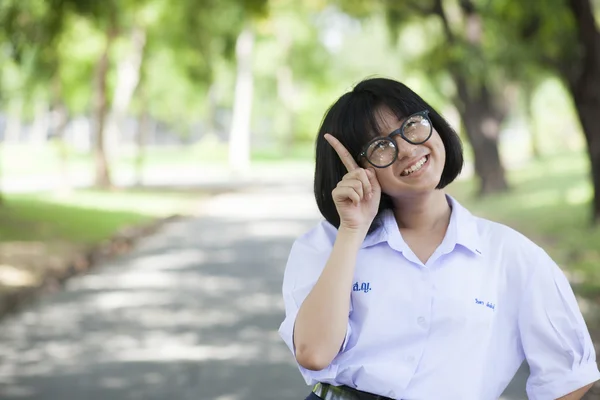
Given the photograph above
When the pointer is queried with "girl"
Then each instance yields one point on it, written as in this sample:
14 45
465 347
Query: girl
401 293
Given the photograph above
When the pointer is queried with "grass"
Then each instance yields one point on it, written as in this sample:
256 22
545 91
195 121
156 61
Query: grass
24 160
87 216
549 202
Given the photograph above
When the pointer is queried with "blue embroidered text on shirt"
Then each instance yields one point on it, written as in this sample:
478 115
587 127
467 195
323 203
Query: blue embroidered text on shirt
488 304
365 287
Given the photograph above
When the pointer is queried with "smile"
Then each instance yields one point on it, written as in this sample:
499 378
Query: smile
415 167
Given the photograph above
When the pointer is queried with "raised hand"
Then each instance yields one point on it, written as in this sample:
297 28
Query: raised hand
357 195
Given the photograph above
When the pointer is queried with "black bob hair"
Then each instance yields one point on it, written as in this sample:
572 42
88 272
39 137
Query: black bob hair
352 119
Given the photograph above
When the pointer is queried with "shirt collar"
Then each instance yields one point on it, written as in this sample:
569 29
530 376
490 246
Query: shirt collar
463 228
462 231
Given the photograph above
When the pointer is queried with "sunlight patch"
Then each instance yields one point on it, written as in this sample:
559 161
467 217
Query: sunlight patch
276 229
579 194
13 276
541 199
168 352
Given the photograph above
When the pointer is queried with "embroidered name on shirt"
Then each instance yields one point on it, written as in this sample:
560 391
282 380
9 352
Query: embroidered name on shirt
483 303
364 287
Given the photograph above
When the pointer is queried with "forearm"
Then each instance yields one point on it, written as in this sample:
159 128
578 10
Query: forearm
578 394
323 317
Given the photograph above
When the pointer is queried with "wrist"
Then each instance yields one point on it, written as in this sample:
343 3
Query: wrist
353 234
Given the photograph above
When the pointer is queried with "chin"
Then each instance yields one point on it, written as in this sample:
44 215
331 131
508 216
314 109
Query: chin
399 187
399 190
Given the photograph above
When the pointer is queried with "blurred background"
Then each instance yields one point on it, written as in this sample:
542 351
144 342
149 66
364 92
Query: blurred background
117 114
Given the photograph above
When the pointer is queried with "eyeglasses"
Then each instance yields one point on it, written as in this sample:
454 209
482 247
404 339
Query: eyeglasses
383 152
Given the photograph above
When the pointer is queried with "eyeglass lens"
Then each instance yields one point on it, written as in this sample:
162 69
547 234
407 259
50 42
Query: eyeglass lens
383 152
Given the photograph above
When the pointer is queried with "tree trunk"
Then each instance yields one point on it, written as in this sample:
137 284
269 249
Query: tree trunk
587 111
478 107
585 89
531 125
63 155
128 77
482 123
39 128
60 121
103 179
141 137
211 110
286 90
1 172
239 136
12 134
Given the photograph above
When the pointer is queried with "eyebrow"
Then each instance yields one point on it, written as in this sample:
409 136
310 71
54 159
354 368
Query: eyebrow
402 124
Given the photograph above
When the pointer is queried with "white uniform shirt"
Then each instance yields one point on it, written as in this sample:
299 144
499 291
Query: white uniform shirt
455 328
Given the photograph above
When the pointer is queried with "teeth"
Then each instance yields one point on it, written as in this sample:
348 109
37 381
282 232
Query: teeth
415 167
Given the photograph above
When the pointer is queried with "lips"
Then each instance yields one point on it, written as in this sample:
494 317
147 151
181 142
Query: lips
415 165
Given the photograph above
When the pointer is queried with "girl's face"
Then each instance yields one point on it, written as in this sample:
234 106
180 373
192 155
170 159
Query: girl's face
418 168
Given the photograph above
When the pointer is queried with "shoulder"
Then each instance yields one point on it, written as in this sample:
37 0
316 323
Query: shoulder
511 247
493 237
308 256
319 238
503 237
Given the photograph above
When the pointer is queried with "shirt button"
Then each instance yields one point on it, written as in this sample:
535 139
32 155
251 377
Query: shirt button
422 321
410 359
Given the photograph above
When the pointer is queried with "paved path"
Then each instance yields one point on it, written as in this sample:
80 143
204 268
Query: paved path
192 313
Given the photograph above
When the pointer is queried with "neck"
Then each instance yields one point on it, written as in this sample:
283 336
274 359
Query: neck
423 212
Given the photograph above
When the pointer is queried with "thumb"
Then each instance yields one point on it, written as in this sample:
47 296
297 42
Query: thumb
373 180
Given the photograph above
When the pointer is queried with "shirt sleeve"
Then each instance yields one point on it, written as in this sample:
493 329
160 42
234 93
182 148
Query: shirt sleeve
306 261
555 338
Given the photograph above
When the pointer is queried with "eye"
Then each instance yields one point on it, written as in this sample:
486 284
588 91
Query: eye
416 128
411 128
380 145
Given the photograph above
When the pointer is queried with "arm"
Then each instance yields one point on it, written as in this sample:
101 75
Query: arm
554 335
578 394
322 320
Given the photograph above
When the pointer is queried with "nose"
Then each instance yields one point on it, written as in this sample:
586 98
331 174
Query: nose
405 150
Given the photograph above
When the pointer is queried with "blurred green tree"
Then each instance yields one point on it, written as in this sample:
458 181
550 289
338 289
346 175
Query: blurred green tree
290 63
184 50
465 51
239 136
30 32
459 45
562 36
110 17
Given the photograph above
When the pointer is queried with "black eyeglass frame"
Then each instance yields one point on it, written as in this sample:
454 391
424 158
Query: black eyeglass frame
399 131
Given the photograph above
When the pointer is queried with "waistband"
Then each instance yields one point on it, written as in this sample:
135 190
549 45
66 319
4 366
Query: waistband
330 392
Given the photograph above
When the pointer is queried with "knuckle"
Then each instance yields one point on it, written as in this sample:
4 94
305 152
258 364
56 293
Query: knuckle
362 175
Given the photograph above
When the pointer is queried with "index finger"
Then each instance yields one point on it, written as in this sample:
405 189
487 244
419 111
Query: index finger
341 151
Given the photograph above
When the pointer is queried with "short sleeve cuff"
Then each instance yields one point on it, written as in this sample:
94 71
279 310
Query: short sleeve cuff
573 380
327 375
286 331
